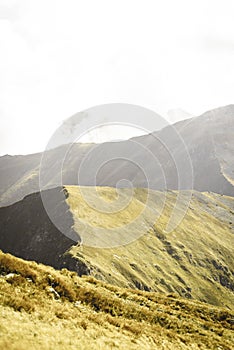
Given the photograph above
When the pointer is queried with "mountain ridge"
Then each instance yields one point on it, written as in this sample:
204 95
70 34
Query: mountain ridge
199 145
196 253
205 141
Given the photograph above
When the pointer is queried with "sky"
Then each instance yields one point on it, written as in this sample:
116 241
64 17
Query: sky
58 58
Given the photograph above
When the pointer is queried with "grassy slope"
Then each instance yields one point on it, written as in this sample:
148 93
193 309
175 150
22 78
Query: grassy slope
42 308
195 260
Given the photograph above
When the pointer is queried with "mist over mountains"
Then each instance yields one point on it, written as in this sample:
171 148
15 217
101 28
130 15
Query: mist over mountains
195 153
103 211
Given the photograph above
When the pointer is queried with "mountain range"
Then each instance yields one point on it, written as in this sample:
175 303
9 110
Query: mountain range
148 224
72 226
195 153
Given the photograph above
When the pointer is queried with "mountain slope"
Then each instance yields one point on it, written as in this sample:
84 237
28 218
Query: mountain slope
27 231
42 309
195 260
160 160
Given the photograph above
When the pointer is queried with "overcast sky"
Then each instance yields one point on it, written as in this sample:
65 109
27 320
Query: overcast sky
60 57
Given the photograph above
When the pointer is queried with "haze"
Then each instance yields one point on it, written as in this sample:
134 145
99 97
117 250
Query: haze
59 58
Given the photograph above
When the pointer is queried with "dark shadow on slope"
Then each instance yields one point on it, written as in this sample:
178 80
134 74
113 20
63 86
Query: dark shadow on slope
28 232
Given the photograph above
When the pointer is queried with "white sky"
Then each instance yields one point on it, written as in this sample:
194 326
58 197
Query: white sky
60 57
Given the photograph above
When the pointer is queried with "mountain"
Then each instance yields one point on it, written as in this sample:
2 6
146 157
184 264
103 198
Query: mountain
194 260
42 308
197 153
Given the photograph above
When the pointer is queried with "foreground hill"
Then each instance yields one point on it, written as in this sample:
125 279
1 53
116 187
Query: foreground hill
42 308
152 160
195 260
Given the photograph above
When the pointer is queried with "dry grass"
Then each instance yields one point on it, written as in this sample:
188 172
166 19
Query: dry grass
194 261
42 308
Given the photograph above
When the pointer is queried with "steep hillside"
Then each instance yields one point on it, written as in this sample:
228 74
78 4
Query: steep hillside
160 160
46 309
195 260
27 231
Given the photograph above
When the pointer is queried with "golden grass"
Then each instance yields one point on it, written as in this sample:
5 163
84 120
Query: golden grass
42 308
103 206
195 260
